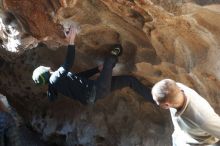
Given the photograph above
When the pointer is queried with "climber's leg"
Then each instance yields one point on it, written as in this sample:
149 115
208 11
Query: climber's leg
103 83
119 82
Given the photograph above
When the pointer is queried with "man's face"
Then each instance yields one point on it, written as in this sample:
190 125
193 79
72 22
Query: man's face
163 104
171 103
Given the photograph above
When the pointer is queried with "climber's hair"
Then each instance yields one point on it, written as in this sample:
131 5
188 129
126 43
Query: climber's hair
165 90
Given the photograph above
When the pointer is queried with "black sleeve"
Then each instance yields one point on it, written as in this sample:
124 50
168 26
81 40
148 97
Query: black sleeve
88 73
70 56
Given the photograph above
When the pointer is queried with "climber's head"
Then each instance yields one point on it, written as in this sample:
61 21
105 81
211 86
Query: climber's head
41 75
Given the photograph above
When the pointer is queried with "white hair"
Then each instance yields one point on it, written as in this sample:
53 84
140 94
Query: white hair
162 88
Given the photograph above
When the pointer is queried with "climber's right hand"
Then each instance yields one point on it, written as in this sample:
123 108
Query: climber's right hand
71 35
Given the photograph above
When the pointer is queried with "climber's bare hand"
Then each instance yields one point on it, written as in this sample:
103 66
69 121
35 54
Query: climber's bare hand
71 34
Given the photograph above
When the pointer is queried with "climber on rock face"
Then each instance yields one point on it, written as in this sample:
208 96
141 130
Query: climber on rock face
78 86
195 122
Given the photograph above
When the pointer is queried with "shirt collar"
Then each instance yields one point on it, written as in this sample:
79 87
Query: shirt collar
179 112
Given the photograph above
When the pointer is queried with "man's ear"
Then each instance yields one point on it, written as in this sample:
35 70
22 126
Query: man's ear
167 104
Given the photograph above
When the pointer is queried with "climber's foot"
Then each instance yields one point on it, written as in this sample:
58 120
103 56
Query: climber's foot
117 50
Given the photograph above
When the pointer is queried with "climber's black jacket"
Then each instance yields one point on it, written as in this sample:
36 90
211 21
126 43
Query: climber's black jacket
74 85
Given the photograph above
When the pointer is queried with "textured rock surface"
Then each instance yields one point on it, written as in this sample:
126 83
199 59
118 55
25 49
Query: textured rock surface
24 136
162 39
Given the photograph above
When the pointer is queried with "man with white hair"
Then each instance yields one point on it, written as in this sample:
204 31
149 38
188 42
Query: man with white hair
195 122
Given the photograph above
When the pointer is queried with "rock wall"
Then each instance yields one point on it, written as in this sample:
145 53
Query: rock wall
161 39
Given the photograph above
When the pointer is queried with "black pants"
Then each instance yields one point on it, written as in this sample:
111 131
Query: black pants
107 83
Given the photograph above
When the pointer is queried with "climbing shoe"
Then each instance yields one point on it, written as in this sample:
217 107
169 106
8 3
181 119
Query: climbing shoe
117 50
